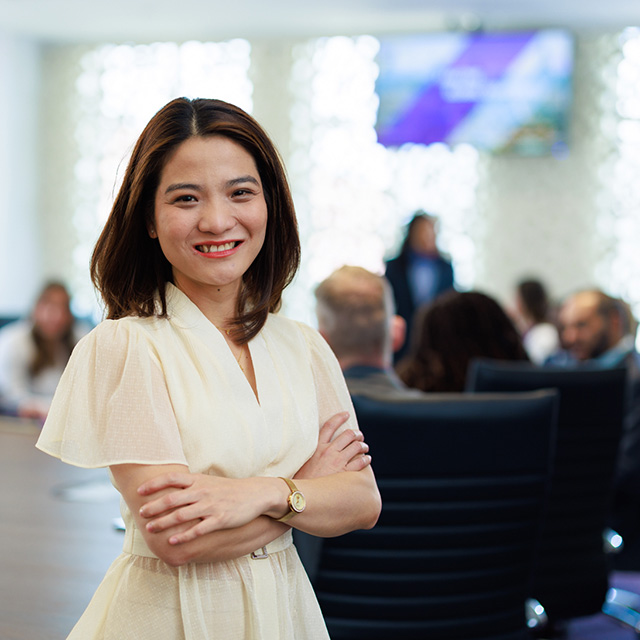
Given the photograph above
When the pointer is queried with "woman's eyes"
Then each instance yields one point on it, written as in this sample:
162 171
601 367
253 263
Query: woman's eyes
185 198
240 193
237 194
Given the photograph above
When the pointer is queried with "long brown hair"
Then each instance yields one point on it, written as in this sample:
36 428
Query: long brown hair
128 267
46 350
452 330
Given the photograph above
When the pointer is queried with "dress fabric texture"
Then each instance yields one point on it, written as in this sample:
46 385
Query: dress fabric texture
169 390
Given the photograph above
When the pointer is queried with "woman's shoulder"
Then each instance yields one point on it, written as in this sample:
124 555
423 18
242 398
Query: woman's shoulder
288 327
297 334
114 332
16 330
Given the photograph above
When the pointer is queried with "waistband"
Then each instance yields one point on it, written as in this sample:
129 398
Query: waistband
135 544
279 544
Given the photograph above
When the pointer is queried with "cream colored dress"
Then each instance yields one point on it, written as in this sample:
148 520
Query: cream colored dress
159 391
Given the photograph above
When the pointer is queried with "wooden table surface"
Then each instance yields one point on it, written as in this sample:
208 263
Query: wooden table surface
56 537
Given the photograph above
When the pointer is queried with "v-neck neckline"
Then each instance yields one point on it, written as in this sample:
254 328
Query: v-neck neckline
185 313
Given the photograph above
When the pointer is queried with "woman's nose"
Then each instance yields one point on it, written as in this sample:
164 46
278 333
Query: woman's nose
216 217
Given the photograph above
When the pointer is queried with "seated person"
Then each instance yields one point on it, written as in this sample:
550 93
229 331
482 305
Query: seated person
539 335
356 317
599 330
452 330
34 353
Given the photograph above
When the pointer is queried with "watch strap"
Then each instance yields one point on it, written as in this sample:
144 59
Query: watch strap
287 516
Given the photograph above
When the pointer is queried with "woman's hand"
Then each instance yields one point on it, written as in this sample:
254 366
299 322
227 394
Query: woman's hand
213 502
347 452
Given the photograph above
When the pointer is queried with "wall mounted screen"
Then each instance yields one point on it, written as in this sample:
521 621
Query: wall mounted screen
501 91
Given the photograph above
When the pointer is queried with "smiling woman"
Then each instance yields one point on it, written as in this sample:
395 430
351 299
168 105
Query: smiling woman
210 220
223 425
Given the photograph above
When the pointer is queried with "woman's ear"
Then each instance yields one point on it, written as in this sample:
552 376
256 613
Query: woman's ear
152 231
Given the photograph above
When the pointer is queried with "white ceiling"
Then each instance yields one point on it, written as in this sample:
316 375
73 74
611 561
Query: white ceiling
149 20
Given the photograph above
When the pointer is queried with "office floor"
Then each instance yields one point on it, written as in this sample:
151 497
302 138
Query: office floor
56 537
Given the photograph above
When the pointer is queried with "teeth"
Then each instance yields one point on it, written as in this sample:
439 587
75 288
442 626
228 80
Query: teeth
211 248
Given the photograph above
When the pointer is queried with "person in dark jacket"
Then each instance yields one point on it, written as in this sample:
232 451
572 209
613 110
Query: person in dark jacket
420 272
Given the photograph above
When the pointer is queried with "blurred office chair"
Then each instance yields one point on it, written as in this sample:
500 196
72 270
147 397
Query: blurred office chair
463 482
571 578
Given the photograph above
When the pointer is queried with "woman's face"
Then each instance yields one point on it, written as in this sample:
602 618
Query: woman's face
51 315
423 237
210 214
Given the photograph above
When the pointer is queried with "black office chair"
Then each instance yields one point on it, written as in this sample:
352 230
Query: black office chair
463 482
571 577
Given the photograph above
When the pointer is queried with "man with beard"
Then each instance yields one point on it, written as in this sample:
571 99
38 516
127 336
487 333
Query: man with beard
599 330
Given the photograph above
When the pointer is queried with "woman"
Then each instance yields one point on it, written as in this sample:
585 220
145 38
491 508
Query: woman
34 353
540 336
420 272
205 405
455 328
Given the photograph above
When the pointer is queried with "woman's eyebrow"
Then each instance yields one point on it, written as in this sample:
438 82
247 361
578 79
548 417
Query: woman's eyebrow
236 181
182 185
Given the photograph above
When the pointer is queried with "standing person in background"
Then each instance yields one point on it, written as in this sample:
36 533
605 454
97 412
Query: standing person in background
34 353
420 272
214 415
539 334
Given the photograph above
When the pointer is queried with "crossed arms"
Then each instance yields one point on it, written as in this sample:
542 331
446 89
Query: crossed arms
187 517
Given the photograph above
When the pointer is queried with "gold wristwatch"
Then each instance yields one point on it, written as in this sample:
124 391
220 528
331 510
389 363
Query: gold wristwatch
296 501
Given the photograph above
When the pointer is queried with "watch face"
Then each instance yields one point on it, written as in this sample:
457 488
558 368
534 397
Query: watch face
298 502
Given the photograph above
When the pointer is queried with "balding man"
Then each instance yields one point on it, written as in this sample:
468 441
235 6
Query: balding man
356 316
595 326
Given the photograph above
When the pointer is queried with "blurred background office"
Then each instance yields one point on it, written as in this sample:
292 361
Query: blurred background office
78 80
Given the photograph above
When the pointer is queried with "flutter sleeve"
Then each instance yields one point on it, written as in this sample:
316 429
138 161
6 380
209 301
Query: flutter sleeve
331 389
112 405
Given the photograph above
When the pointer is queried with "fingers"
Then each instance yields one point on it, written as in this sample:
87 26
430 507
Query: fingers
359 462
355 448
185 514
202 528
347 437
329 428
168 502
177 480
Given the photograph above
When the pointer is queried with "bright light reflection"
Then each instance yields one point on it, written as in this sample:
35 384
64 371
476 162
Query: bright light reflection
354 196
620 215
119 89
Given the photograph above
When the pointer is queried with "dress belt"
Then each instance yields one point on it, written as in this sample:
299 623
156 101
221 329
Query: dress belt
134 543
279 544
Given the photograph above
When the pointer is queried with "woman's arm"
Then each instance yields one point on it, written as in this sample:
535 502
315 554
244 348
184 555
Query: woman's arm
218 545
336 504
158 490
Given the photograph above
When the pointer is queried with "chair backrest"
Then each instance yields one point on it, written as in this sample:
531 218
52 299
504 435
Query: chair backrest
463 481
571 574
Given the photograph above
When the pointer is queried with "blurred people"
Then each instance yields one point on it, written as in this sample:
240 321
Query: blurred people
34 353
595 327
599 330
356 317
539 335
420 272
448 333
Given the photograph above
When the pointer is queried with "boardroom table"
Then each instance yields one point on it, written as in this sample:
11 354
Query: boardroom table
58 536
